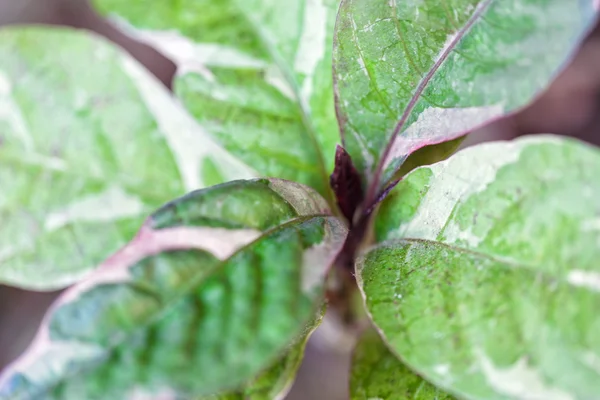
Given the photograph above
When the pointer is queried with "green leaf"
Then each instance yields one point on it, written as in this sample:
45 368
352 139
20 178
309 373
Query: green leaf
486 280
272 384
90 144
411 74
213 290
377 374
255 73
429 155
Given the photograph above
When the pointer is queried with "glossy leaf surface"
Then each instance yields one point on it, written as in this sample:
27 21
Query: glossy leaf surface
414 73
213 289
255 73
90 144
377 374
486 280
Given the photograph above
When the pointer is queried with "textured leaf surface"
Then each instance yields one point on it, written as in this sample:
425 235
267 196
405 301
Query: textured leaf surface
430 71
90 144
377 374
212 290
486 279
255 73
274 383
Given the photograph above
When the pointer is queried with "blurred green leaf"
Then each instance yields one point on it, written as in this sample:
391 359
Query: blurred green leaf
90 144
212 290
272 384
377 374
429 155
256 74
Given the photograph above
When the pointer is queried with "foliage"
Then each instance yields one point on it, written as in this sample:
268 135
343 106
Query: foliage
478 272
500 281
378 374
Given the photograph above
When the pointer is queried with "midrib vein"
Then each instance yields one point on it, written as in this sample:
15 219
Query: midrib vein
507 263
479 11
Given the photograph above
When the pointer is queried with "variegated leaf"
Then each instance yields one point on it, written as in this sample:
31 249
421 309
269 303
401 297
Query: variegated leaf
486 278
90 144
212 290
415 73
256 74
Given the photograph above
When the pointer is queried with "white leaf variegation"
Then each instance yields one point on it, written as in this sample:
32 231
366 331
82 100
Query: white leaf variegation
229 277
190 143
485 276
411 74
92 143
255 74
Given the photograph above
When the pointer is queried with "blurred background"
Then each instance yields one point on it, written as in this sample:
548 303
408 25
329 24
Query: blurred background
571 106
